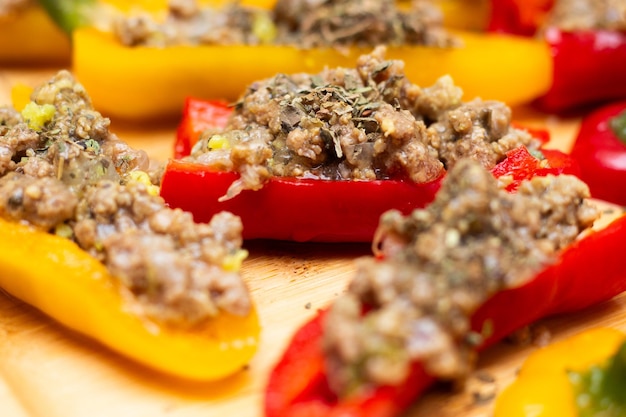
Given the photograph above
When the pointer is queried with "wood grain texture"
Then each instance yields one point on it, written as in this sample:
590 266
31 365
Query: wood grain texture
48 371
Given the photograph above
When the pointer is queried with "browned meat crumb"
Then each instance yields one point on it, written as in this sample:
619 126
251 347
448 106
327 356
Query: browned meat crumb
189 24
170 263
44 202
588 14
365 123
440 264
302 23
360 22
71 176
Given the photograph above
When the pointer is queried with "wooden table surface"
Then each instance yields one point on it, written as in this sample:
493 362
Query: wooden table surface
48 371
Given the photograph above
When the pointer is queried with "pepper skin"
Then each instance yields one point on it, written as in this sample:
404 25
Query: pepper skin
152 83
30 37
298 386
543 388
76 290
294 209
601 154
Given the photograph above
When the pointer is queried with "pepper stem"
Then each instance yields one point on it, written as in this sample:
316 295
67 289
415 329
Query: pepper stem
618 126
614 383
69 14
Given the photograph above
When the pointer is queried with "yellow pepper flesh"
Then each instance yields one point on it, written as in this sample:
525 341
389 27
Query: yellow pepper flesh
543 388
30 37
76 290
152 83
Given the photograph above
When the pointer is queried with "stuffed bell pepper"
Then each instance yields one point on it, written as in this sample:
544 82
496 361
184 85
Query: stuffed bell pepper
446 282
322 156
143 66
87 240
587 40
581 376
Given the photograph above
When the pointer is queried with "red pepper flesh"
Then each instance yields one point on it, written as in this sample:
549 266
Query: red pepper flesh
298 387
198 116
294 209
520 165
602 155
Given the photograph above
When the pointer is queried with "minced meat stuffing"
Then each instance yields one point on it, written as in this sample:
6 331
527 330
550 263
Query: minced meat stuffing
64 172
588 14
439 264
364 123
302 23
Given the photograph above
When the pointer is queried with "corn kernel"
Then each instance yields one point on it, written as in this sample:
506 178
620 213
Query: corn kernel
63 230
143 178
218 142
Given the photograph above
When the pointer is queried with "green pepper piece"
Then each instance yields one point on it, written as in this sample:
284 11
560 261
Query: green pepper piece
601 389
618 126
70 14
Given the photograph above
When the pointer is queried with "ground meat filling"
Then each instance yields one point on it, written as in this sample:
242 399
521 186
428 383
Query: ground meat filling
63 171
588 14
304 23
440 264
44 202
365 123
361 22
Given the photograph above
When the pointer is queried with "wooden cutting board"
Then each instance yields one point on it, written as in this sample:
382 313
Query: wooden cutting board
48 371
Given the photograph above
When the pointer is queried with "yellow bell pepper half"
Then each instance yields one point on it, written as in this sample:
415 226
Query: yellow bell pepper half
137 83
76 290
30 37
543 389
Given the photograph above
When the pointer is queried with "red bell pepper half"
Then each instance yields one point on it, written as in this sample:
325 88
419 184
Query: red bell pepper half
309 209
298 386
600 150
588 65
